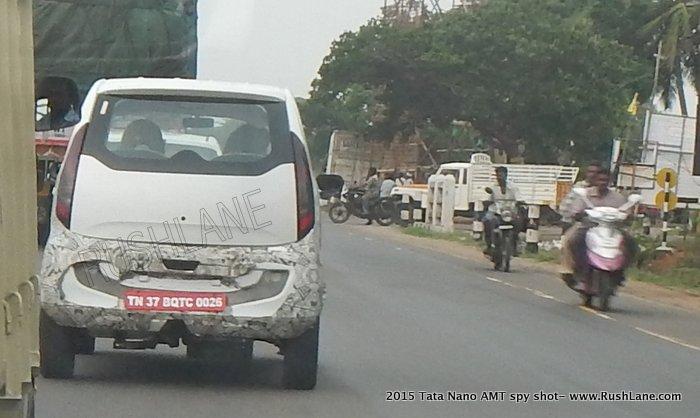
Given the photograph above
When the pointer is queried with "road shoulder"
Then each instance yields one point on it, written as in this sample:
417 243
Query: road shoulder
646 291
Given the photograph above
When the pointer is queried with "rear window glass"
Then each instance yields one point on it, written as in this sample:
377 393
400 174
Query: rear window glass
189 135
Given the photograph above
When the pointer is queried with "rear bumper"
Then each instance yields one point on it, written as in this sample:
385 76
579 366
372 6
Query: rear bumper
285 315
105 322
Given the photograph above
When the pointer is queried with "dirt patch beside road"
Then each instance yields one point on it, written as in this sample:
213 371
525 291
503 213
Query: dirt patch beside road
465 250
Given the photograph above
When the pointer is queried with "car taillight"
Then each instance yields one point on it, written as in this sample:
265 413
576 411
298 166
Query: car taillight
66 184
306 217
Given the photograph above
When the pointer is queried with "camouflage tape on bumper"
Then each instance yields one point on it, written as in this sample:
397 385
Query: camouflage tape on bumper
297 313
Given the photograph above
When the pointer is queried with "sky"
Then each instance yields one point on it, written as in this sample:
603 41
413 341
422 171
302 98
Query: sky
277 42
283 42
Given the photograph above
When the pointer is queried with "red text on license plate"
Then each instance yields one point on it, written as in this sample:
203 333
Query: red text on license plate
154 300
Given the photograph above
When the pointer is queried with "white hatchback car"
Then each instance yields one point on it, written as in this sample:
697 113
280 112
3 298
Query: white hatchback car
185 210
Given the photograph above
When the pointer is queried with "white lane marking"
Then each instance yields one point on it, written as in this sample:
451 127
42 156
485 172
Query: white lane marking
369 239
399 248
668 339
596 313
533 291
544 295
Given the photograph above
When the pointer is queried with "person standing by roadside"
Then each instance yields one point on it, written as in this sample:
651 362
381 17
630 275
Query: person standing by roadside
371 192
387 185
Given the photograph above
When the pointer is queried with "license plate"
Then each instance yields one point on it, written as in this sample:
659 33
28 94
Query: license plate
164 301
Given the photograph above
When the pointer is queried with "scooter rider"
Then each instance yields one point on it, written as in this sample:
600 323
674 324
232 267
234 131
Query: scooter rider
566 204
574 241
504 190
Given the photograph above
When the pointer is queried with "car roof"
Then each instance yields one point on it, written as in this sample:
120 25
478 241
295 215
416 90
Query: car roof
189 87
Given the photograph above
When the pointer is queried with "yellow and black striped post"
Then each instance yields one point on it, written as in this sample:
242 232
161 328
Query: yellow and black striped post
665 209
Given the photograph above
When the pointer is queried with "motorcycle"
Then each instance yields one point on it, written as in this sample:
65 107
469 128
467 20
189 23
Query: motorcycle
344 204
605 252
505 235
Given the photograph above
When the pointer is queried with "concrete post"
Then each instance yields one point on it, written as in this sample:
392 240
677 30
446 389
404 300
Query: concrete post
532 234
646 225
448 203
19 311
477 225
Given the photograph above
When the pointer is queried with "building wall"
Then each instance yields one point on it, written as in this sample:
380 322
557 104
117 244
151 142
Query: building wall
18 313
351 157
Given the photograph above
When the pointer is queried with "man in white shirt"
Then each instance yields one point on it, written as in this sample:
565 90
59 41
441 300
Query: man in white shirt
504 190
387 185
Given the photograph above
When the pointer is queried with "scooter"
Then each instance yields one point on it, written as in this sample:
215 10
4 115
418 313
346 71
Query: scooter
605 252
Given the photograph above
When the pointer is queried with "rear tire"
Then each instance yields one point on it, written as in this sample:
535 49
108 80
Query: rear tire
301 360
605 286
497 252
339 213
57 349
84 344
385 211
43 232
507 252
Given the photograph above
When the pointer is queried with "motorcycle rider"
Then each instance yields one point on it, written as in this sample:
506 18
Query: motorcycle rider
504 190
574 241
372 187
566 204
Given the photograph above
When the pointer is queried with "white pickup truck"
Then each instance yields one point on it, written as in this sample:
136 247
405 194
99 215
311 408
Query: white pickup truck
538 185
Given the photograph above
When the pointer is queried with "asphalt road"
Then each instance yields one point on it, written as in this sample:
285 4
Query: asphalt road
399 318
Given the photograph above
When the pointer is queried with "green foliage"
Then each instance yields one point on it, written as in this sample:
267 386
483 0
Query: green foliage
532 74
537 72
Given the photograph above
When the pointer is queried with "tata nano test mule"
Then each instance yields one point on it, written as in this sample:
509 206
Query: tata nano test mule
185 213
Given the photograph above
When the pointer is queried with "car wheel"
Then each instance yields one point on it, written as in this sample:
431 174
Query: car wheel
301 360
57 349
84 344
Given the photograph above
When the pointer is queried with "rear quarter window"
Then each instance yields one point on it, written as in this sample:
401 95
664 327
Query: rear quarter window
189 135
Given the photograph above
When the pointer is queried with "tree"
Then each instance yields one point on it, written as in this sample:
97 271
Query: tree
543 74
387 59
536 72
356 108
676 27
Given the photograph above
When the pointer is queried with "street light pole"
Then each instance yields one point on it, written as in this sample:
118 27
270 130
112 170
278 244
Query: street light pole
647 121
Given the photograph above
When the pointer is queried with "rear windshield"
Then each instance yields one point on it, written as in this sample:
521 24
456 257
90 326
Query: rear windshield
189 135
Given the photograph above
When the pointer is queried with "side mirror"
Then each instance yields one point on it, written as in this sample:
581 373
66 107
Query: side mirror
488 190
580 191
57 104
634 199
